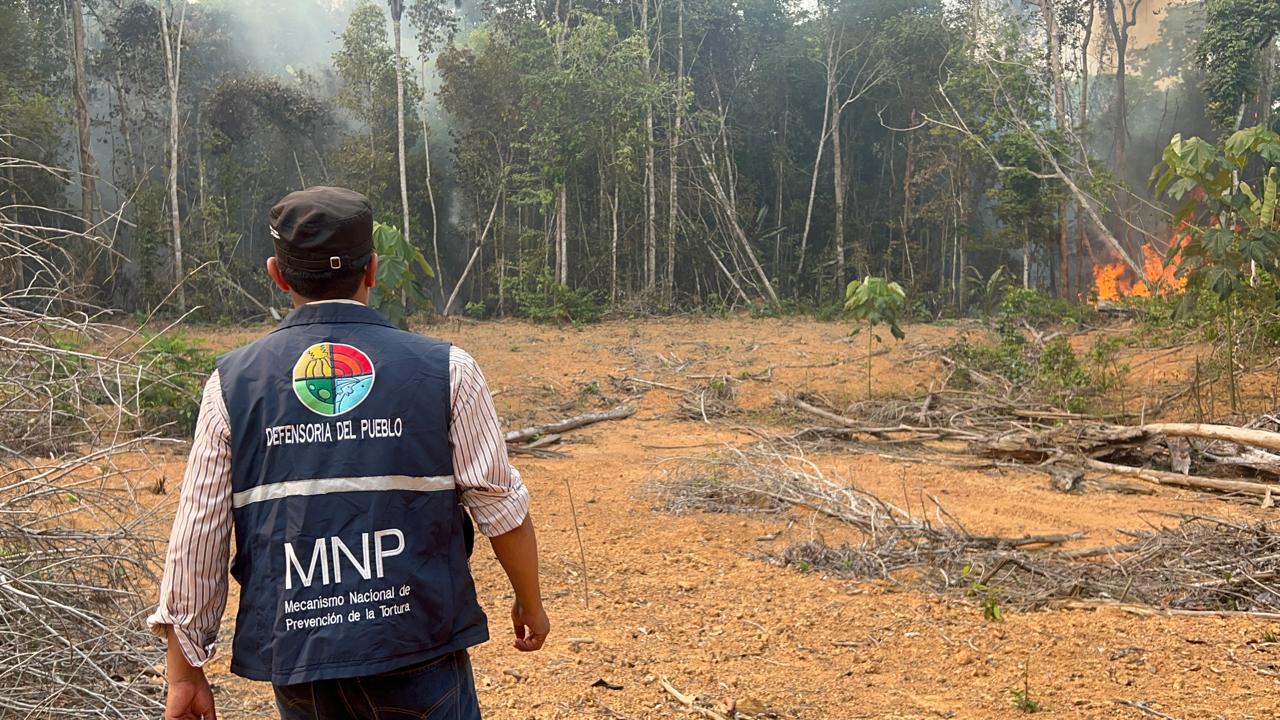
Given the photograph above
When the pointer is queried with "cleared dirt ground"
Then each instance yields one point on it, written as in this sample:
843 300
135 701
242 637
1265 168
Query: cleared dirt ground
692 599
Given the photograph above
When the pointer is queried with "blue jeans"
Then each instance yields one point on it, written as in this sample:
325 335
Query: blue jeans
442 688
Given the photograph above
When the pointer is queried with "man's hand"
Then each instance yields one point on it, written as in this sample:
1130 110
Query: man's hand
517 551
190 697
531 626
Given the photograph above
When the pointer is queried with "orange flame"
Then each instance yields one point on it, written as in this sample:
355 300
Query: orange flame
1116 280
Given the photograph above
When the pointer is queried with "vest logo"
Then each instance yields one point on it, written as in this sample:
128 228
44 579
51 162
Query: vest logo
320 559
332 378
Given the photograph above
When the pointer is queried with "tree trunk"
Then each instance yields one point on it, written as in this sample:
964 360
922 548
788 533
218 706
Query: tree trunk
1082 239
173 75
397 9
88 168
562 235
673 191
650 181
1120 36
431 195
1060 117
780 151
817 159
907 176
484 233
837 187
1266 84
730 211
613 248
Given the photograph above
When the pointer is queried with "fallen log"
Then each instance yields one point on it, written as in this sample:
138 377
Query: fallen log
1238 435
1107 550
535 452
931 433
1148 611
573 423
1133 450
1194 482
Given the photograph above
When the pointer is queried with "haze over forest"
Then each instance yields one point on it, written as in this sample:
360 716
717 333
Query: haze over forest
648 155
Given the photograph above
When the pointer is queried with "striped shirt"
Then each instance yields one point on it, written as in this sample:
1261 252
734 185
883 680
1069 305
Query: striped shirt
193 591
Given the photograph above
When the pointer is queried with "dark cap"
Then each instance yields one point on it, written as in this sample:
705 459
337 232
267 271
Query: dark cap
322 228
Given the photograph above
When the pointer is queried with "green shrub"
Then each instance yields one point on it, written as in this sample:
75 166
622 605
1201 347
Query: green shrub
1052 371
174 372
1040 310
399 289
541 298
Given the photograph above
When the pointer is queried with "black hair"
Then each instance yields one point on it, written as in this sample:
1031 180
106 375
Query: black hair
325 284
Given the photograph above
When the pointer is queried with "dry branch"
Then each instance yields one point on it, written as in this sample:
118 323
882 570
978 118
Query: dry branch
1177 568
573 423
690 702
76 568
876 431
1192 482
1134 450
1240 436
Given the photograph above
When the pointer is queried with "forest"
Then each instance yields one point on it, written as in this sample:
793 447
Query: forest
860 358
559 160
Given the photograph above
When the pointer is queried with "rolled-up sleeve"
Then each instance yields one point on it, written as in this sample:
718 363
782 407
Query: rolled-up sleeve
491 488
193 592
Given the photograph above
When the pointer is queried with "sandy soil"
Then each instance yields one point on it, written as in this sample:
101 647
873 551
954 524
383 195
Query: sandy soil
689 598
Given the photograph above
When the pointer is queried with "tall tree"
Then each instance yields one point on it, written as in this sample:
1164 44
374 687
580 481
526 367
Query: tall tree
852 66
1053 41
650 168
673 190
1121 16
172 41
435 24
88 168
397 9
1238 52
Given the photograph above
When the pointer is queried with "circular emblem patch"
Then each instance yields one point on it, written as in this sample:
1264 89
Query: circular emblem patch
332 378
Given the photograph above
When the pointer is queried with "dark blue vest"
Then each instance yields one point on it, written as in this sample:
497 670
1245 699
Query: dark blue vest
350 548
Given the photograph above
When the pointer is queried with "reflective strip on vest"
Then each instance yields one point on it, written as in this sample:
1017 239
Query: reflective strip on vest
326 486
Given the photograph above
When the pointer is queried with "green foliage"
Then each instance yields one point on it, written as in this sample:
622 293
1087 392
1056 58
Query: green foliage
1040 310
1172 319
174 373
240 107
366 72
1233 228
987 595
1231 52
398 289
539 297
1023 701
1022 696
1105 369
875 301
1026 202
986 293
1052 371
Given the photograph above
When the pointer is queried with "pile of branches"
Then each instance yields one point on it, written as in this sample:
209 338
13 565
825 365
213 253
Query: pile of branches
74 565
1218 458
1241 461
1190 564
77 569
940 415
